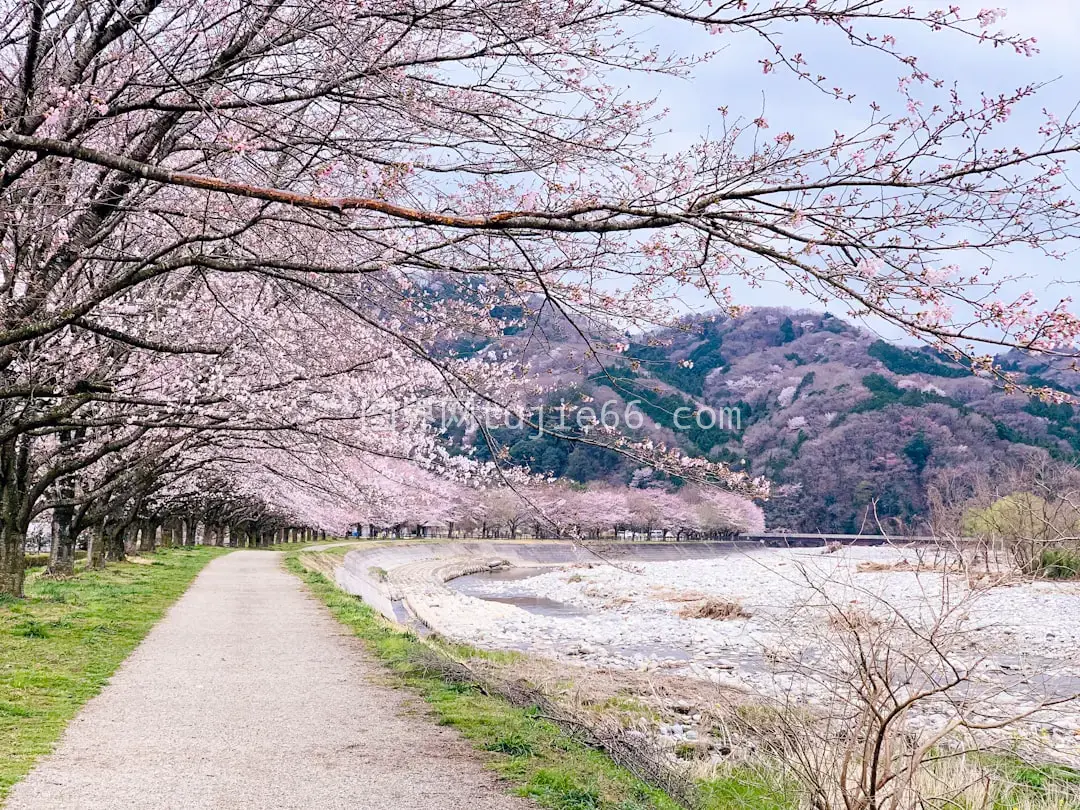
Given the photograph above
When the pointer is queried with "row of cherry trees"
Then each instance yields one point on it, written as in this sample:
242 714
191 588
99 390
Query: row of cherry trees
433 506
245 247
223 520
556 510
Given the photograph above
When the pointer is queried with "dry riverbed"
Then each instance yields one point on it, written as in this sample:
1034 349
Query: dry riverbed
767 608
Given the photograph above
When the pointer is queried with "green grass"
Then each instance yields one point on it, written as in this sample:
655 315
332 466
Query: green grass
746 787
534 755
60 644
1026 784
307 544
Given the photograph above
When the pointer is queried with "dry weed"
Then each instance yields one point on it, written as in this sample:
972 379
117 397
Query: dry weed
879 566
906 566
853 619
668 595
720 609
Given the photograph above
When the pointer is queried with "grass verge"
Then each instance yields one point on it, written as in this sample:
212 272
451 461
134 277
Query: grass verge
60 644
536 756
308 544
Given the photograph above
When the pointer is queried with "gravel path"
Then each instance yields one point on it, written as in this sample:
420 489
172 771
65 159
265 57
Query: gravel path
249 695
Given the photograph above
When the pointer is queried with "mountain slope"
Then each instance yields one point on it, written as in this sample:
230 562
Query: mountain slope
850 429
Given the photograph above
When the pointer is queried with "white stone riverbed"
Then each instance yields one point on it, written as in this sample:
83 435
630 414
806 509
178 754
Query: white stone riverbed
636 605
1025 636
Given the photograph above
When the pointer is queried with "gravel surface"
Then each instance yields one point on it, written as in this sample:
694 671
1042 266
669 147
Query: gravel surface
639 608
249 695
1018 646
1026 635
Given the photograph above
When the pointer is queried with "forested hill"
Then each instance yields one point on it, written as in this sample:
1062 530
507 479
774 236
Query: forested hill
836 417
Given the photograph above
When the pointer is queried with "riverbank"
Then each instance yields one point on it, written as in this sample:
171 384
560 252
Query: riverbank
723 732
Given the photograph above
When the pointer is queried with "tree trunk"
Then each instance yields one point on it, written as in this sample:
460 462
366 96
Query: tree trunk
148 537
12 561
95 556
14 472
62 551
116 543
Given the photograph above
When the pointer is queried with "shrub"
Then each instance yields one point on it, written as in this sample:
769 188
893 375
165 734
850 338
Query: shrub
1060 563
1036 532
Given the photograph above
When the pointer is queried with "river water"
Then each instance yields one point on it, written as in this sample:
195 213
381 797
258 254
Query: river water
474 585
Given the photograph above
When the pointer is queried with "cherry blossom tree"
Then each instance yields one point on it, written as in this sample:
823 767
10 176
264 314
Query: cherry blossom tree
725 512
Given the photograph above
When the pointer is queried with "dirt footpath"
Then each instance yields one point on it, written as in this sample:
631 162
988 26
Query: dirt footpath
249 695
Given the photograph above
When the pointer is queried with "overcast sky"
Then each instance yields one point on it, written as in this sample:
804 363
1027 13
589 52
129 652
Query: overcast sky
734 78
